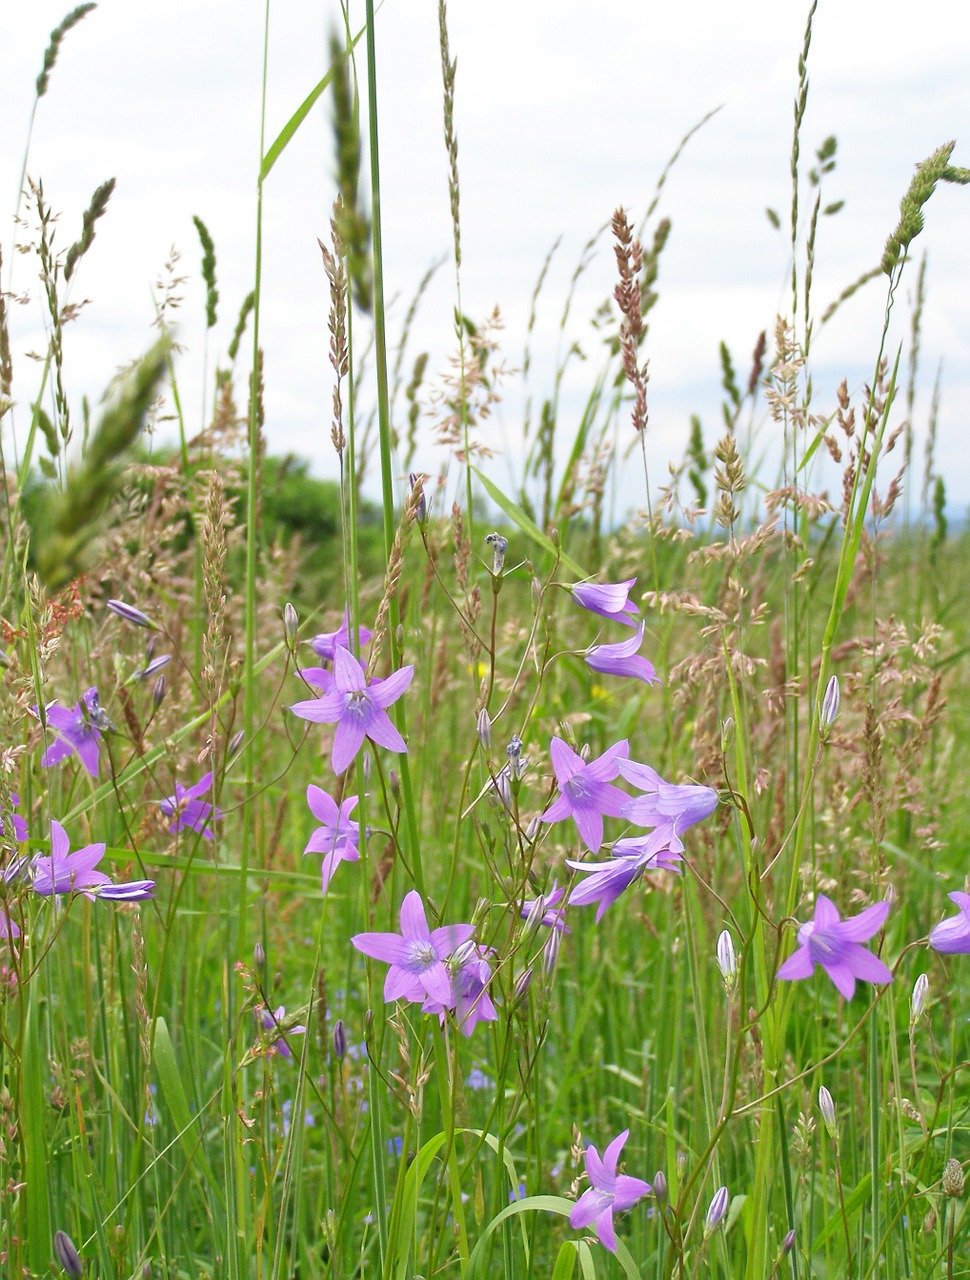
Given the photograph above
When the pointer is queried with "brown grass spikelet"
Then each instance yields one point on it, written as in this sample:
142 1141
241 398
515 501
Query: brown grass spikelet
337 321
729 480
627 292
448 67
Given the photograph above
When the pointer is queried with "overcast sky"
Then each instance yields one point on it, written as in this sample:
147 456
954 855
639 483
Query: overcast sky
564 110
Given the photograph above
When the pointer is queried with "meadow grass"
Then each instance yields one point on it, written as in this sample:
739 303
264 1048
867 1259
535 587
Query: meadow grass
201 1076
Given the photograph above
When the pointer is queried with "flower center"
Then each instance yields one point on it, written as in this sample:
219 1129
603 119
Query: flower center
421 955
357 704
577 789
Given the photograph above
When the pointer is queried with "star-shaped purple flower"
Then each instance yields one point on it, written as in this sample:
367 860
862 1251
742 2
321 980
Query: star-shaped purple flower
586 791
78 730
416 955
623 659
952 935
327 643
65 872
664 801
337 838
188 811
608 599
357 708
471 974
834 943
659 851
272 1021
608 1192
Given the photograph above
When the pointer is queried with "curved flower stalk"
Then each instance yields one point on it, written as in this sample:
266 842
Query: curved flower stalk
835 944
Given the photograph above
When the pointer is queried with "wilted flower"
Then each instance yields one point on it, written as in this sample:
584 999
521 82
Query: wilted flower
77 730
416 955
608 1191
608 599
188 812
358 708
499 547
338 836
834 943
952 936
623 659
586 793
470 976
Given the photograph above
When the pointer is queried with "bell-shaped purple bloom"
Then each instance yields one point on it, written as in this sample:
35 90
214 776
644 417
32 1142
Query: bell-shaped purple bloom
586 791
338 835
952 936
834 943
327 643
623 659
65 872
471 974
663 802
78 730
357 708
608 1191
659 851
608 599
188 811
416 955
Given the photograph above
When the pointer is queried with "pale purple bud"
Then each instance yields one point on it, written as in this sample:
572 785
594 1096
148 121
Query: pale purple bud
235 742
921 989
155 666
660 1187
499 547
259 955
67 1255
788 1243
727 961
484 725
130 613
533 829
291 621
522 984
716 1210
829 710
827 1108
550 951
339 1040
158 691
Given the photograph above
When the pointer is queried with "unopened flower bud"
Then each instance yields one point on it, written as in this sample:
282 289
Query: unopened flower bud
716 1210
417 497
533 828
151 647
917 1006
158 691
660 1189
484 726
727 733
235 742
156 665
831 700
550 951
130 614
499 547
259 955
523 982
291 621
827 1108
67 1255
727 961
788 1243
953 1179
394 783
339 1040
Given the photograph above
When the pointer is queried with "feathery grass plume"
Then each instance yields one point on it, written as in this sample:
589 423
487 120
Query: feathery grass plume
71 519
208 271
248 303
697 456
94 211
49 272
333 264
801 102
935 168
730 481
6 363
57 36
629 261
352 224
448 68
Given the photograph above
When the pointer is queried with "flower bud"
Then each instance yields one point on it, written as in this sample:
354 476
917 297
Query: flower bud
291 621
132 615
727 961
235 742
550 951
716 1210
660 1189
523 982
484 726
533 828
339 1040
917 1006
67 1255
829 709
156 664
953 1178
827 1108
158 691
788 1243
259 955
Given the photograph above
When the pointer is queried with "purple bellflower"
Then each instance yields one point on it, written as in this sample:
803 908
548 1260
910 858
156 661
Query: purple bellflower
8 928
77 730
416 955
586 793
547 910
338 836
267 1021
659 851
327 643
471 974
16 821
357 708
66 872
623 659
952 936
188 811
834 943
664 802
608 599
607 1192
